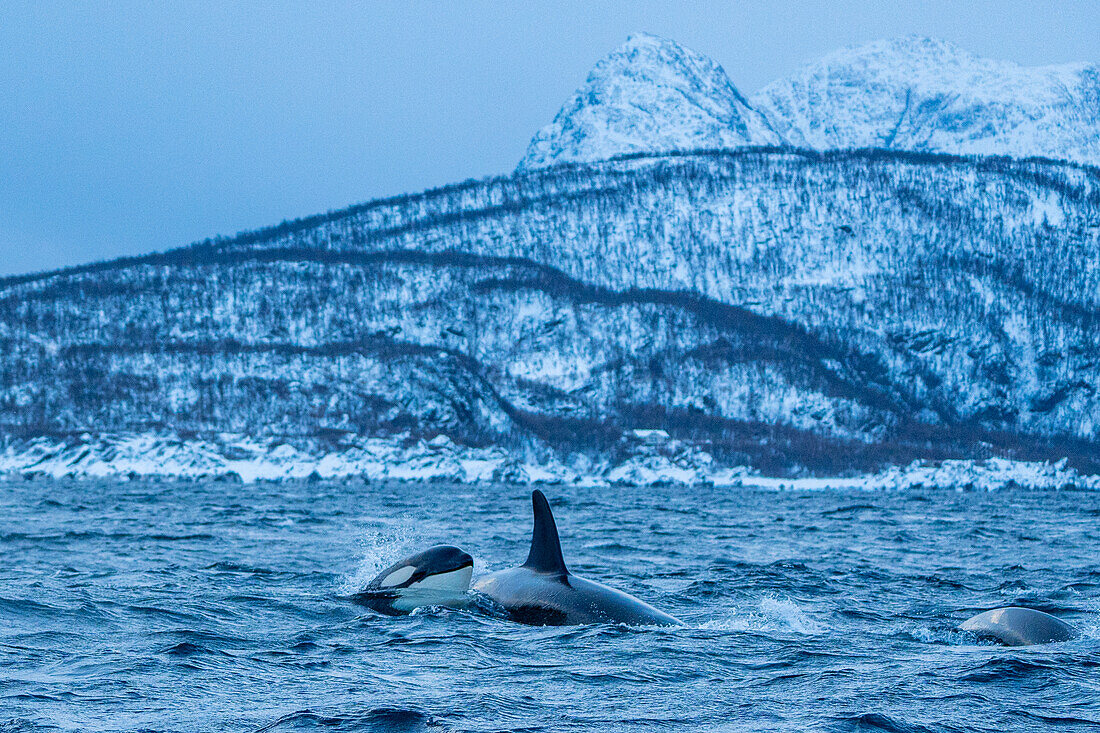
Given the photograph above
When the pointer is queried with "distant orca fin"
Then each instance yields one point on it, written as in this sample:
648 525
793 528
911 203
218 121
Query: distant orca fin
545 555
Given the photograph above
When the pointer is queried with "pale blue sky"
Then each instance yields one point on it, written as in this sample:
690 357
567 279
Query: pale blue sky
127 127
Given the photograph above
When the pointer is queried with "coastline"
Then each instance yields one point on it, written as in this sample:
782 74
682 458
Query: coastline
401 458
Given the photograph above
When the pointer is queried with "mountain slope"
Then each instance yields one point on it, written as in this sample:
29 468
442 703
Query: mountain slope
921 94
649 95
789 310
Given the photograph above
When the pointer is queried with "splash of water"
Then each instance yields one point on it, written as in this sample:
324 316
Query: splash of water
771 615
378 549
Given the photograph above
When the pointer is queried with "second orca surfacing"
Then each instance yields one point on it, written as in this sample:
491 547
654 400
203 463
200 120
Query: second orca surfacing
1014 626
542 591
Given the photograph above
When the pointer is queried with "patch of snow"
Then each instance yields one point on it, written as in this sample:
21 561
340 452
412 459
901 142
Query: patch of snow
1047 209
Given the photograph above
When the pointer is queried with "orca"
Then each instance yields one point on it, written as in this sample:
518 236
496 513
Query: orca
542 591
1015 626
438 576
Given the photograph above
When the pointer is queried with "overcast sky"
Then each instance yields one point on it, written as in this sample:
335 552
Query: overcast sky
127 127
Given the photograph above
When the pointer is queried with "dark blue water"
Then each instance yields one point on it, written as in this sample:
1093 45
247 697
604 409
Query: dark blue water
207 606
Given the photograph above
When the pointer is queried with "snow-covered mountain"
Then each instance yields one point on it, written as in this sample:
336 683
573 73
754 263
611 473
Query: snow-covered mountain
915 94
649 95
921 94
785 310
636 316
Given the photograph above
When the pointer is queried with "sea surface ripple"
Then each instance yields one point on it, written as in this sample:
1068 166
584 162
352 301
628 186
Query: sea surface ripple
165 606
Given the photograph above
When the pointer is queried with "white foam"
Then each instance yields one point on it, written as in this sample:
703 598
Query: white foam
786 612
378 550
771 615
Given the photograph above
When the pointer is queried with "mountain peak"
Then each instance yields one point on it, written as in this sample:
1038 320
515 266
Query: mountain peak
906 56
649 95
652 95
909 45
641 39
917 93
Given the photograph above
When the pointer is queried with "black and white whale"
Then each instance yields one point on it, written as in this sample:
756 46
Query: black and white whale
1019 627
543 592
438 576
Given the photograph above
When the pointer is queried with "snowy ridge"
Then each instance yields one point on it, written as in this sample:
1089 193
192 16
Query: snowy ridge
242 458
922 94
915 94
649 95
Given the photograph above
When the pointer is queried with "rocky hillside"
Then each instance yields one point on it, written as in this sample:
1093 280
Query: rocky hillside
788 310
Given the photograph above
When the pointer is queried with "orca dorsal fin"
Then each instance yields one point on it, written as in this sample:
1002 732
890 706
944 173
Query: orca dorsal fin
545 555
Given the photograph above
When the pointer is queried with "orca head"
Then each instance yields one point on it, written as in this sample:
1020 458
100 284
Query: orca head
439 575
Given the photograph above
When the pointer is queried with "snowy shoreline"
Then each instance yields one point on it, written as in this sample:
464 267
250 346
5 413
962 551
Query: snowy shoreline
239 458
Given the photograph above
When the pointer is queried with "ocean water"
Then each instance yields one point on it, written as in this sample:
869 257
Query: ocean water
216 606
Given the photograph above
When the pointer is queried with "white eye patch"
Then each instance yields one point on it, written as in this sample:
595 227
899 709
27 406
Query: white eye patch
397 577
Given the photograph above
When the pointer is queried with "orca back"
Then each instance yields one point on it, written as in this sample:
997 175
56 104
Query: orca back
542 591
1015 626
